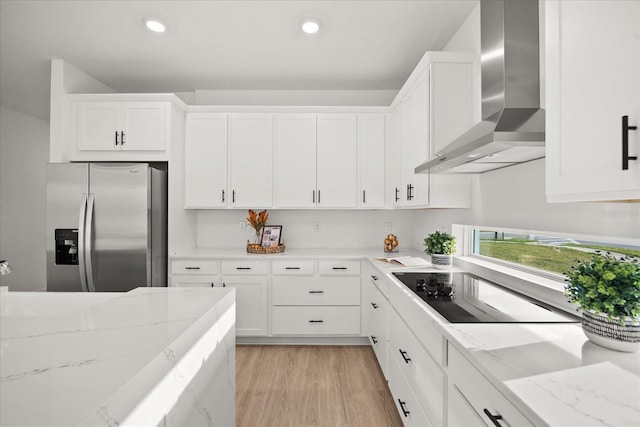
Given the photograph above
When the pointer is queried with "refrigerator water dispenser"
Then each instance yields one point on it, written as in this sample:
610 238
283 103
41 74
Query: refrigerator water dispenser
66 246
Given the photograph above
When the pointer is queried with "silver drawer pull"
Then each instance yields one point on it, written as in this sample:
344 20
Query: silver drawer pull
339 268
316 321
192 268
292 268
243 268
316 292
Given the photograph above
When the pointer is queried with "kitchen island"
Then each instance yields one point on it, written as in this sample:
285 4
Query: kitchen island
151 356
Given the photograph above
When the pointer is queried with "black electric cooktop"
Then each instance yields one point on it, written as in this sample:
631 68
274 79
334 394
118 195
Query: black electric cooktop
467 298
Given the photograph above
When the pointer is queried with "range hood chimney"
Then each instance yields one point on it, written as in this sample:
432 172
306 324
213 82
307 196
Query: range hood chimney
512 127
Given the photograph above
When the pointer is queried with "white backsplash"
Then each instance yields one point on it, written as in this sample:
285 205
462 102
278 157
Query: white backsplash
307 228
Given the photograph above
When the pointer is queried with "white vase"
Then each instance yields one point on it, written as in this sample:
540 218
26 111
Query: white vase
442 262
610 333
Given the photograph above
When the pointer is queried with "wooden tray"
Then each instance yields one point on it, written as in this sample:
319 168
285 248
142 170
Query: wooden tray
257 249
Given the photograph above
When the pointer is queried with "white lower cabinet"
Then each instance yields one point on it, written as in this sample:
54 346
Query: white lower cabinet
249 278
188 273
424 376
459 410
315 320
376 306
406 402
310 300
477 395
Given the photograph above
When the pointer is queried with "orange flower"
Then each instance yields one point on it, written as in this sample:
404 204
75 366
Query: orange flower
257 220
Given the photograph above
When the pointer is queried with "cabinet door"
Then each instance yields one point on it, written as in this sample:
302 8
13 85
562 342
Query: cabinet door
459 411
587 96
205 177
145 126
296 161
97 126
336 165
415 143
251 160
395 177
371 165
251 303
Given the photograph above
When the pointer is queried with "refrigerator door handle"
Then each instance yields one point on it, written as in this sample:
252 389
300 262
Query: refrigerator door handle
88 246
81 233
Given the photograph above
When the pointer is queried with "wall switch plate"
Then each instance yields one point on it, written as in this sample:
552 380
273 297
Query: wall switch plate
243 225
316 226
387 227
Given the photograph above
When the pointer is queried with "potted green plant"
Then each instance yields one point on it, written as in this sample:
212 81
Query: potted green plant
608 291
441 246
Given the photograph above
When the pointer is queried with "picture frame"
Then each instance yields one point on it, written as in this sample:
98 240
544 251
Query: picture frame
271 236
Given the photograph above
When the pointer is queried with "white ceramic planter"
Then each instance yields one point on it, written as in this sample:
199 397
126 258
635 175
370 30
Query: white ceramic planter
443 262
610 333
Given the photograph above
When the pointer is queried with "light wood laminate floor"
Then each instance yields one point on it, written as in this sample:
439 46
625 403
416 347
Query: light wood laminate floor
311 386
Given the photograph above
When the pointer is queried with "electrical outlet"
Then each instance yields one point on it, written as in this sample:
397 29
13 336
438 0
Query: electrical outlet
387 227
243 225
316 226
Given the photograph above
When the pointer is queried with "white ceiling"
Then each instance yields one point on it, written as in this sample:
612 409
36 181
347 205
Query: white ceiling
214 45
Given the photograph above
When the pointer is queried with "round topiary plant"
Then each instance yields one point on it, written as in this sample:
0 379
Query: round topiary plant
608 291
606 284
440 242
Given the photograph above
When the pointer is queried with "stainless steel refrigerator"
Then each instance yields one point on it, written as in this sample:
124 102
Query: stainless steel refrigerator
106 226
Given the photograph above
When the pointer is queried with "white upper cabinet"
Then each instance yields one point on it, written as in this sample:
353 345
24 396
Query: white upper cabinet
592 82
336 161
371 160
296 160
251 160
206 161
126 126
433 108
415 142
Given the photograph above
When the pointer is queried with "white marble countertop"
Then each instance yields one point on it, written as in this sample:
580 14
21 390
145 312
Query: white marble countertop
104 358
295 253
551 372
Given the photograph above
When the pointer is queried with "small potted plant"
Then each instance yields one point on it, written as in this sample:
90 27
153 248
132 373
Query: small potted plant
441 246
608 291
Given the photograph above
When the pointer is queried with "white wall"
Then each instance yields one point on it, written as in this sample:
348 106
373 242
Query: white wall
295 97
65 79
337 229
24 150
514 197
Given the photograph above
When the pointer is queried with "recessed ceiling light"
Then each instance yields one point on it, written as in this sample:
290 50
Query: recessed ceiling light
155 25
310 26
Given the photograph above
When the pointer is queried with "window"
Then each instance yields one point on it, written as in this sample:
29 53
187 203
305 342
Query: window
541 252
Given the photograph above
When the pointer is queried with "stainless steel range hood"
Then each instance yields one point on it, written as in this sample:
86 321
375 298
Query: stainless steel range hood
512 126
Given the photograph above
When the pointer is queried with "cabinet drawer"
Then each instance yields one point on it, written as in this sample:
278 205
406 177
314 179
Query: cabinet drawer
481 394
292 267
424 376
344 268
327 320
420 323
245 267
406 402
376 305
316 291
194 266
192 281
